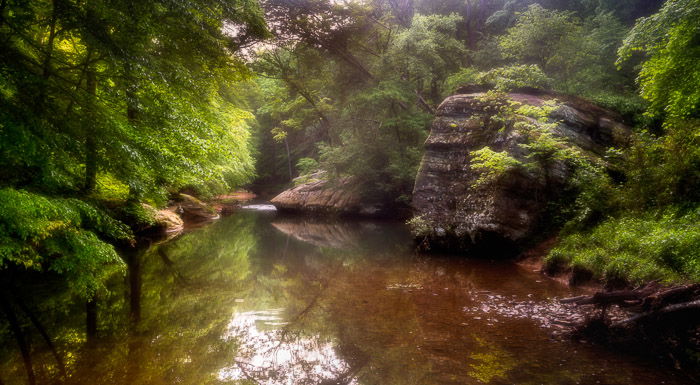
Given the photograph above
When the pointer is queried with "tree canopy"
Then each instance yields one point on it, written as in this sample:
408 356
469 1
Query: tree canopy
108 101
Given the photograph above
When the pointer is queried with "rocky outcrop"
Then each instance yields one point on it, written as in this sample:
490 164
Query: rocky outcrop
192 209
165 220
317 194
453 210
169 221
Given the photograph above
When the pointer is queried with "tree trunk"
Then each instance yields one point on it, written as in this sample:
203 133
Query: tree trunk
134 264
19 337
45 336
131 93
46 63
46 67
3 5
91 320
289 157
90 135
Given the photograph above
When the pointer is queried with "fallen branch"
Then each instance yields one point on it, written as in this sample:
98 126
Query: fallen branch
692 305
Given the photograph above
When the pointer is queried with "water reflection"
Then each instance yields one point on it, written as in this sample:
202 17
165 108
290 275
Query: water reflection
257 299
271 354
326 233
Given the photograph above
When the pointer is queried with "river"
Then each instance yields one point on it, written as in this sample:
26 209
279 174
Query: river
257 298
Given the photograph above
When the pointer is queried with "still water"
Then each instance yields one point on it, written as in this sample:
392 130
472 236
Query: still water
260 299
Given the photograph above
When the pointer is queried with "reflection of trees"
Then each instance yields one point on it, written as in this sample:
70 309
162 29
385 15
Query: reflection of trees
369 314
390 320
186 290
276 347
33 318
319 294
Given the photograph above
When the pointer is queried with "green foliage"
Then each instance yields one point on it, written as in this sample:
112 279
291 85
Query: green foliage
664 171
498 109
64 236
137 215
370 126
492 165
577 54
631 107
113 101
109 188
468 75
502 79
637 248
139 92
420 227
645 227
670 76
384 156
539 35
515 76
539 113
307 166
427 52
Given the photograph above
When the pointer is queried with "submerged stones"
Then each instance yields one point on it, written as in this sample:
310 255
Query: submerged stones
503 201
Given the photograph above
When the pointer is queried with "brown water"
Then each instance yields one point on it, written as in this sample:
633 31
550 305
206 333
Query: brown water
258 299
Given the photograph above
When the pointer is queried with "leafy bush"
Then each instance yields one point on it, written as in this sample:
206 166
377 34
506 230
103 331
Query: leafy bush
468 75
420 227
630 107
669 76
491 165
636 247
502 79
109 188
306 166
663 171
64 236
515 76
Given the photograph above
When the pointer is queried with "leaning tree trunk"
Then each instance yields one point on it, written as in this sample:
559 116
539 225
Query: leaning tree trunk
46 337
19 337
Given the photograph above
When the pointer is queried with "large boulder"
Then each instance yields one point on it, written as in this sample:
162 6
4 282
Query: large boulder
319 195
192 209
166 220
453 210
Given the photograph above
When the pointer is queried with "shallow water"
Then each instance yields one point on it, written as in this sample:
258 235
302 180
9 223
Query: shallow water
260 299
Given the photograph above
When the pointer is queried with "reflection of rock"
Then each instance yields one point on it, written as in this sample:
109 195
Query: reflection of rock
195 210
319 195
456 212
259 207
322 234
227 204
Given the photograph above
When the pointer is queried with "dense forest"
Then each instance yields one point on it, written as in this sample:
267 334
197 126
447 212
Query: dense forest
107 105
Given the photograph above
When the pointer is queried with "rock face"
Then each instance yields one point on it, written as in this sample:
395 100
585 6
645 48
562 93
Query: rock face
319 195
195 210
452 210
165 220
169 221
